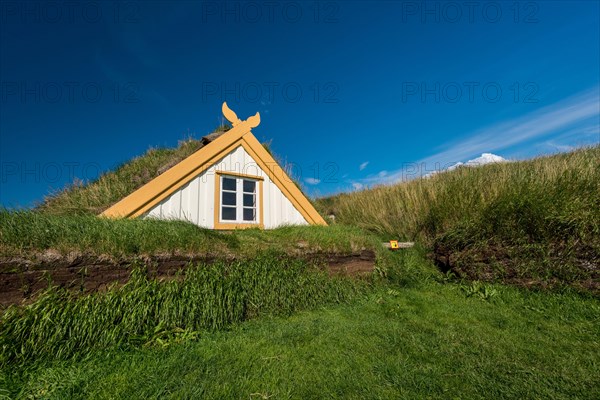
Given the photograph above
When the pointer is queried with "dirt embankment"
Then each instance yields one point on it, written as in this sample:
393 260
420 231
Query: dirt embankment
21 279
549 267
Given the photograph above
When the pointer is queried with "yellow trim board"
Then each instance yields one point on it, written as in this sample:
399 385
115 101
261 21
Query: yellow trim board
217 204
155 191
152 193
233 227
238 175
277 174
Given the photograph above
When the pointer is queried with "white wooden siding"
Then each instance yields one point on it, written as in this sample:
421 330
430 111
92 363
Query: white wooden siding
194 202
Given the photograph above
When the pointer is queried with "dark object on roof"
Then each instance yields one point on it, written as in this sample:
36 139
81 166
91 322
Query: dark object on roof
202 142
210 137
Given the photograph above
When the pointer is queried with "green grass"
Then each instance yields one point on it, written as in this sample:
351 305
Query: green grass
91 198
59 325
518 222
409 332
424 340
25 233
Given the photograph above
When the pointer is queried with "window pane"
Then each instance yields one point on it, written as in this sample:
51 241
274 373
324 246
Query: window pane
228 199
249 214
227 214
228 184
249 186
249 200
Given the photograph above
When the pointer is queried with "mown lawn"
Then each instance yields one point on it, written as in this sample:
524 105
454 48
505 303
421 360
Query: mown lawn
426 340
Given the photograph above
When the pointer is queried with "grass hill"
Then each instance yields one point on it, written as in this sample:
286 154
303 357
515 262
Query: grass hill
534 222
94 197
262 322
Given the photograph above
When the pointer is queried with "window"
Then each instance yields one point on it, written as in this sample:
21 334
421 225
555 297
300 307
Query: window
238 199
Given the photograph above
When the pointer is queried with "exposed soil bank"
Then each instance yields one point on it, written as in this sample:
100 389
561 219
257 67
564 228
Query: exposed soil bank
549 267
21 279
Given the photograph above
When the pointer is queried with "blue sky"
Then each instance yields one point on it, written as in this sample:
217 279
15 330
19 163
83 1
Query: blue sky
352 94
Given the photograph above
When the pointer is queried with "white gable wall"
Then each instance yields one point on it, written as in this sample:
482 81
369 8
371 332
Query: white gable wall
194 202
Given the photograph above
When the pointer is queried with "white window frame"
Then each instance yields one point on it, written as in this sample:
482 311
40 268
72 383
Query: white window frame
239 203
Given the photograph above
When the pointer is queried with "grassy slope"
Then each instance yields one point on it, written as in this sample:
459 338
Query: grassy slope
425 340
532 220
94 197
25 233
91 198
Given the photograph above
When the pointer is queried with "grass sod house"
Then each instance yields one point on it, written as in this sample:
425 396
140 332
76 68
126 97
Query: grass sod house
232 182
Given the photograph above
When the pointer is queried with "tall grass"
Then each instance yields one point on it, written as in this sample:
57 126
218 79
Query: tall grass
543 214
206 297
563 190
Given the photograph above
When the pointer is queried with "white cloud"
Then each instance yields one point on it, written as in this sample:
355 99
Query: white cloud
357 185
557 146
542 122
565 115
573 138
363 166
312 181
485 158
